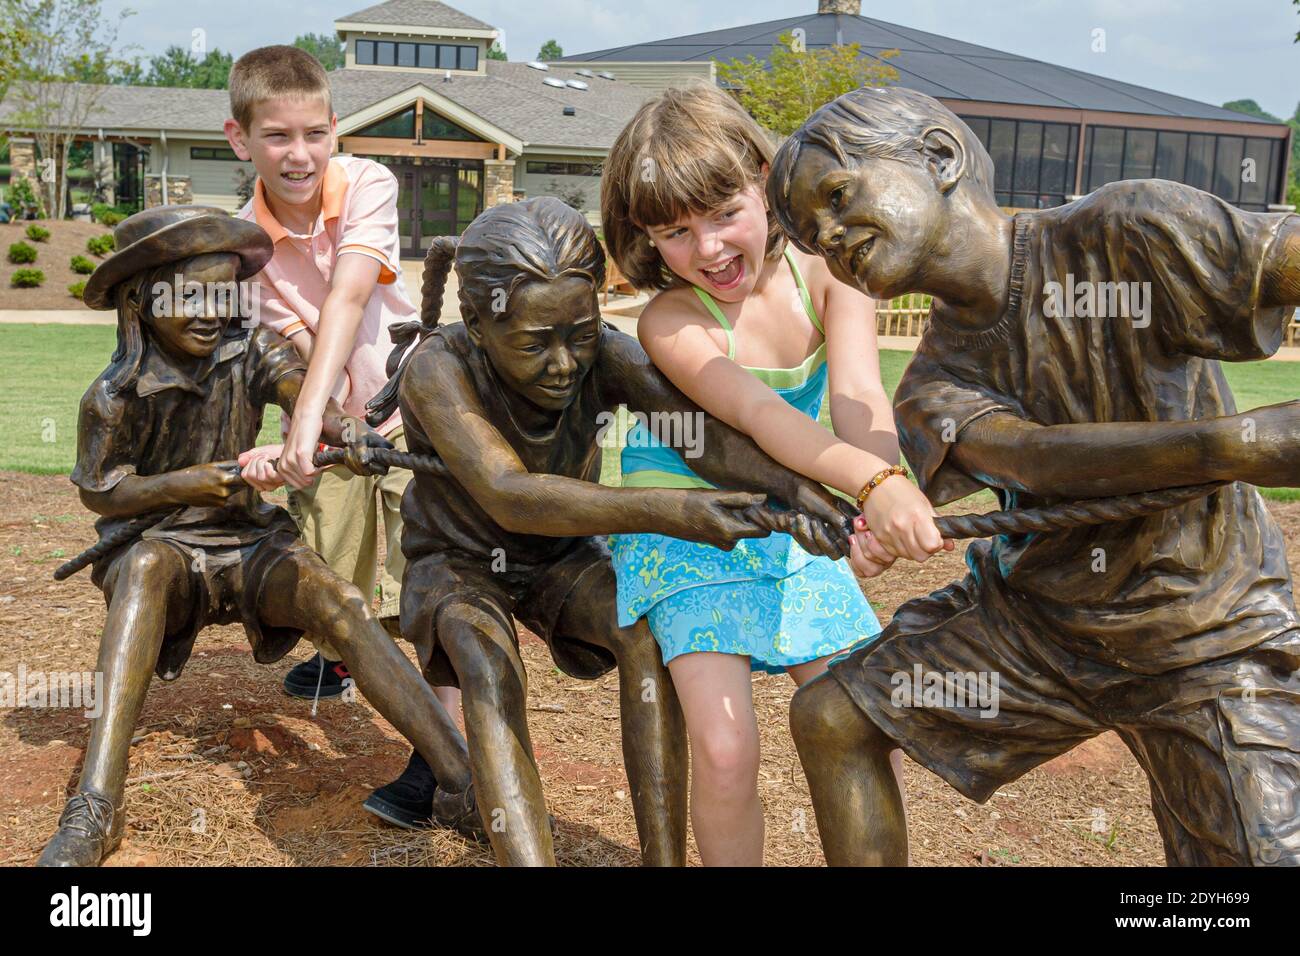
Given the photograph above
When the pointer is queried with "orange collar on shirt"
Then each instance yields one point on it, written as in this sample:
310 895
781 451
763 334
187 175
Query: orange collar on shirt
332 191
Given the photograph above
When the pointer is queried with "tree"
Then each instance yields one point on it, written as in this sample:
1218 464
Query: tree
781 93
1251 108
496 51
65 66
128 73
177 66
551 50
326 47
12 40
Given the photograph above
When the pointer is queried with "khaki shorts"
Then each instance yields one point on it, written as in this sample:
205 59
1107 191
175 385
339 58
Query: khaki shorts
342 516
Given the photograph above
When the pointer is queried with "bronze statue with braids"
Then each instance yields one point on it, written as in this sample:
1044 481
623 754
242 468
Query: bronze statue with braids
1071 353
510 523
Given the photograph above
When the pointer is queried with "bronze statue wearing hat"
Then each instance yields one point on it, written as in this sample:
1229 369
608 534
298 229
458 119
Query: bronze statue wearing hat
1175 629
184 542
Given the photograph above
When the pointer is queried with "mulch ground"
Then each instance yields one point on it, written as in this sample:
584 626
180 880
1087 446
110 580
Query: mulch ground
227 770
53 257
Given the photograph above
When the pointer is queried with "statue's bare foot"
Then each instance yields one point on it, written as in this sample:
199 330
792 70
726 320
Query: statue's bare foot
90 828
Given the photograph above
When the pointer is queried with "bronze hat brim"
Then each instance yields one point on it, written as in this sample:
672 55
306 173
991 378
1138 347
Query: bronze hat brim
197 236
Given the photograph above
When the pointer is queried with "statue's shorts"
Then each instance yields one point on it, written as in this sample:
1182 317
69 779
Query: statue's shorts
965 689
437 584
228 582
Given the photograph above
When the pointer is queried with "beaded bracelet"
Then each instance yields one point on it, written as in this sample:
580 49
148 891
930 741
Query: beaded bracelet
871 485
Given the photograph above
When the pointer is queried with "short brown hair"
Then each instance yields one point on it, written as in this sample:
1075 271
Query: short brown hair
275 72
689 149
875 122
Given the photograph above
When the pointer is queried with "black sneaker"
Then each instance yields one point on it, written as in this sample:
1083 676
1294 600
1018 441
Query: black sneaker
407 802
415 801
303 680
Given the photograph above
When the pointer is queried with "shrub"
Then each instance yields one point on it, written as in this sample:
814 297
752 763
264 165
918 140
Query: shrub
100 245
77 289
21 252
37 233
24 198
108 215
27 278
81 265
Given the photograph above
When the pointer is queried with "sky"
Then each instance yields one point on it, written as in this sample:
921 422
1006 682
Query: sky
1208 50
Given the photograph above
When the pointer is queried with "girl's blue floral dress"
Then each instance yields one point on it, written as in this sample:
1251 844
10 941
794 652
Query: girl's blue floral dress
767 598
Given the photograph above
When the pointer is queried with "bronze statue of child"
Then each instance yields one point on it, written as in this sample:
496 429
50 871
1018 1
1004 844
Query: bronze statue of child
1071 353
512 403
159 432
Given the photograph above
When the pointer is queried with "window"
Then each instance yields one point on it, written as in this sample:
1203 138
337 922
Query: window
1171 156
213 152
424 56
1057 176
1241 170
398 126
537 167
1002 147
1033 163
1139 153
1106 157
439 127
1200 160
1256 171
1029 155
1227 167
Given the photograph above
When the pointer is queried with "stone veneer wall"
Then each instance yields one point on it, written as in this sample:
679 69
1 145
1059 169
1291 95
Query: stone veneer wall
498 182
180 191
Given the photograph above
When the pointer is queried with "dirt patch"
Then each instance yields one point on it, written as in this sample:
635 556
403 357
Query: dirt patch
226 770
67 239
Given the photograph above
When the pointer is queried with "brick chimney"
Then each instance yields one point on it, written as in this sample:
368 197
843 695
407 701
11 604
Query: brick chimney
851 7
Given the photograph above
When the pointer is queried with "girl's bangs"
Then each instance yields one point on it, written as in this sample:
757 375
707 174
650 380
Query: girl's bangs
671 182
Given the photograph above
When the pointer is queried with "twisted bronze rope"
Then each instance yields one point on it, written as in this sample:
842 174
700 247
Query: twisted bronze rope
1062 517
1073 514
112 541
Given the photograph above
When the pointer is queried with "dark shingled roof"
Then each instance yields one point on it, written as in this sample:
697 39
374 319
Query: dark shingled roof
416 13
511 95
936 65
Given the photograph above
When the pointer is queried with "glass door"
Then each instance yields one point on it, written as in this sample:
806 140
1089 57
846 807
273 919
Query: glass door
437 204
407 197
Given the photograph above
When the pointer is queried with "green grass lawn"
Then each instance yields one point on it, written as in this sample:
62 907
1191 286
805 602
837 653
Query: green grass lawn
44 369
